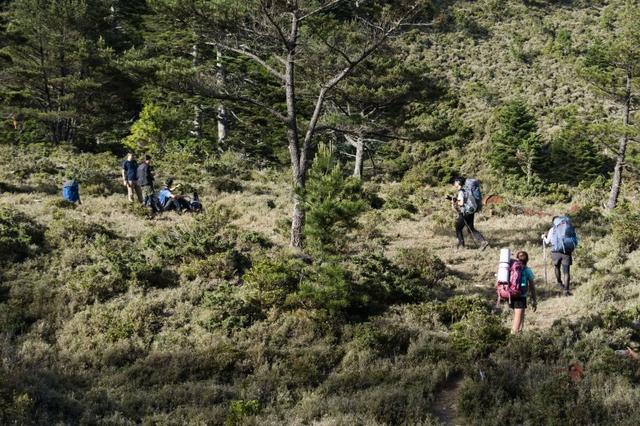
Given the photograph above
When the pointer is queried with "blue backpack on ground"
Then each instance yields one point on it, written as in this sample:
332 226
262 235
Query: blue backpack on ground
71 191
564 238
472 196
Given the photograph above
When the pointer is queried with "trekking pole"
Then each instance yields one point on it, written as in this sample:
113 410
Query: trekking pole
544 256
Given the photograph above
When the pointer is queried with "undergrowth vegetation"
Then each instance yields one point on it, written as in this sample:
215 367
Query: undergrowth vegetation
113 315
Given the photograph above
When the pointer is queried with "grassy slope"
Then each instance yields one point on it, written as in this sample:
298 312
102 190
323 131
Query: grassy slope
183 372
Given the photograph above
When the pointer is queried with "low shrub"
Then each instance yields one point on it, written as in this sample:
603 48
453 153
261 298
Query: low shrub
212 233
227 309
20 236
240 409
625 231
325 286
423 262
270 280
477 335
224 265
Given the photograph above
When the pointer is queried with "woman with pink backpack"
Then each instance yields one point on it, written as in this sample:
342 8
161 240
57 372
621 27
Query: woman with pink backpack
515 282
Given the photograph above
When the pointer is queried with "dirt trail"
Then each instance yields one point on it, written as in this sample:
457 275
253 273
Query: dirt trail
476 268
446 403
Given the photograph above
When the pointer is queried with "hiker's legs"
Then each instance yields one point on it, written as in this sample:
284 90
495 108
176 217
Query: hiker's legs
138 191
566 276
170 205
470 218
518 320
459 228
147 192
556 269
130 192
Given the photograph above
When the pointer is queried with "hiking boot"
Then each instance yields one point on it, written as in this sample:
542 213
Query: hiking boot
459 246
568 293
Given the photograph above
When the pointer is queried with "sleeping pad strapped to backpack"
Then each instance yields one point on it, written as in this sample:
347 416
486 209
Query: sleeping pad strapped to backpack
512 288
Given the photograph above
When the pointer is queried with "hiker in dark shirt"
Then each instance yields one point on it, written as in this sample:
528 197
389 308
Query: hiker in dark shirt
130 177
145 180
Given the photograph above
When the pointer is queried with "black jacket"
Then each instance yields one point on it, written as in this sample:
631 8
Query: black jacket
145 175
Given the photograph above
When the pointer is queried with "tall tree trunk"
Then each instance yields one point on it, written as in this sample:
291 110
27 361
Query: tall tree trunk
297 165
358 144
197 109
222 113
622 149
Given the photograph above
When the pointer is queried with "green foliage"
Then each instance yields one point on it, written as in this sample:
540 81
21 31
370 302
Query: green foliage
147 132
459 308
211 233
326 287
333 205
516 146
228 309
573 157
240 409
56 67
108 268
20 236
270 280
530 376
625 230
477 335
424 263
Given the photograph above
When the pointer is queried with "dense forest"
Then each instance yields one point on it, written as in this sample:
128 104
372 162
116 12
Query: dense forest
321 283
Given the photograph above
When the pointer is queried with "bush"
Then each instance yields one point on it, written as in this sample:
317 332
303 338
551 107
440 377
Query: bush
20 236
110 267
227 309
240 409
423 262
212 233
477 335
270 280
325 286
625 231
65 230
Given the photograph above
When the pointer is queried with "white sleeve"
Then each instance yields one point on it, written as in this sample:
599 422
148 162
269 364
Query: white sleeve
549 236
461 196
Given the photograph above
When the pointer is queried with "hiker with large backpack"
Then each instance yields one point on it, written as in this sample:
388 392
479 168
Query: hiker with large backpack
563 241
467 203
71 191
515 284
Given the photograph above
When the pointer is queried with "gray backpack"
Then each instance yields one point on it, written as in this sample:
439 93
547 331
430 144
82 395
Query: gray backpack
472 196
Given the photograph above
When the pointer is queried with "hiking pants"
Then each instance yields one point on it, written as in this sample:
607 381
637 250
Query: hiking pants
460 225
134 188
147 193
177 204
564 261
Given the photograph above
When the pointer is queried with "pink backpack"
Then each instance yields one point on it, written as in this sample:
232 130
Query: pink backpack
511 289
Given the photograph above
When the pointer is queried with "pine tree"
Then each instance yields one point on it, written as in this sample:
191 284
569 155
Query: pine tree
516 146
612 65
303 50
57 76
333 204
